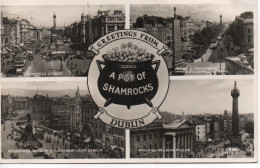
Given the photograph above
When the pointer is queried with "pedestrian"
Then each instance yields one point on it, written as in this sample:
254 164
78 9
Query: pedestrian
52 146
54 140
58 142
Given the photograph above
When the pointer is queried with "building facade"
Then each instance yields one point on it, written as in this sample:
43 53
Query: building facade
165 138
201 133
41 107
89 29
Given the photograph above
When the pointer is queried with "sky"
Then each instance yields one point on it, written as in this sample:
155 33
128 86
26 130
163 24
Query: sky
209 96
51 86
65 15
191 96
209 12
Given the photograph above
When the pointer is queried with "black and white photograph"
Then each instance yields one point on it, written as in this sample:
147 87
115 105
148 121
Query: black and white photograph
214 121
203 39
54 120
129 82
52 41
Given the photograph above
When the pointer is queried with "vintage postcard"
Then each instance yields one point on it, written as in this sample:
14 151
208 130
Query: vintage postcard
126 81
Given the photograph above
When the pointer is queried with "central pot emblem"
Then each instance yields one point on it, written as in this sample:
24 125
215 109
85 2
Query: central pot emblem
128 78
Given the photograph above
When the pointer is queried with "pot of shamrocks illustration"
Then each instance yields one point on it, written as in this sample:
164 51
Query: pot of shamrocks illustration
128 76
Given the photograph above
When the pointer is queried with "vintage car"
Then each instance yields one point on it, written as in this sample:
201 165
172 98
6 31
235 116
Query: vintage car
14 155
48 156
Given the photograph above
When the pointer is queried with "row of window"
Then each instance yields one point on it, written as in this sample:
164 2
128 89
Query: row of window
150 136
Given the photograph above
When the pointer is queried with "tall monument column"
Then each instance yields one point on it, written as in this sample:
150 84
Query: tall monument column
54 22
235 137
177 61
220 20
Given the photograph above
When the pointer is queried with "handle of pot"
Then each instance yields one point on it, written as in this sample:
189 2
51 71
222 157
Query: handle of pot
157 65
99 63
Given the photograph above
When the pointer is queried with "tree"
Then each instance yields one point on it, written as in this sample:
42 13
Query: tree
249 127
235 31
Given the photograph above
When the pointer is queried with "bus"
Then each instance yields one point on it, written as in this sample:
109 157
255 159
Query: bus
19 64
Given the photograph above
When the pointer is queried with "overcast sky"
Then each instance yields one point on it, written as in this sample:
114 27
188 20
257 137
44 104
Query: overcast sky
190 96
51 86
43 15
210 96
210 12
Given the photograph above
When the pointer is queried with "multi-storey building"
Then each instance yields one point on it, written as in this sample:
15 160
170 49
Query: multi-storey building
75 115
20 103
6 105
89 29
165 138
96 133
201 133
17 31
41 107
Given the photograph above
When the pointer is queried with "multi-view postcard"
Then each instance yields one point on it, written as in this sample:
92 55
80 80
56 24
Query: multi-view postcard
129 82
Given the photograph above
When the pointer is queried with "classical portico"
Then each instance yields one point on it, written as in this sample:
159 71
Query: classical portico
178 141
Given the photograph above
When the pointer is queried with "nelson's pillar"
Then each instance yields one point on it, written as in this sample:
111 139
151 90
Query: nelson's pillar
235 137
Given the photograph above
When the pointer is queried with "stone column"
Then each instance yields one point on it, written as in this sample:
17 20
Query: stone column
191 143
174 146
106 29
185 143
178 146
163 147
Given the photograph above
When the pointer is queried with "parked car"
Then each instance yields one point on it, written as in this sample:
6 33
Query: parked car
14 155
39 152
48 156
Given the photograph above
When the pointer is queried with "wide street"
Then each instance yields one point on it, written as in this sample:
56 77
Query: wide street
8 144
42 67
218 150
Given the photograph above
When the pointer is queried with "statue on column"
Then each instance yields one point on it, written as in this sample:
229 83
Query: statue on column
28 138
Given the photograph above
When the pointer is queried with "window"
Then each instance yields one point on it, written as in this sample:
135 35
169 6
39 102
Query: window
150 136
137 138
155 146
150 147
249 39
155 136
198 132
248 31
144 137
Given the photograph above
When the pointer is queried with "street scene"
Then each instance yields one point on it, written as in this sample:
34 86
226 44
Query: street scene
54 44
55 121
218 43
193 129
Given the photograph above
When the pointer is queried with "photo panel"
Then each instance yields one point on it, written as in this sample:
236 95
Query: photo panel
55 120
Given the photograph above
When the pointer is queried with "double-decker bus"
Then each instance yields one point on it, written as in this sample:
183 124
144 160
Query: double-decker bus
19 64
